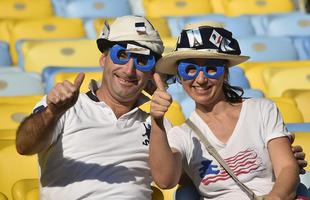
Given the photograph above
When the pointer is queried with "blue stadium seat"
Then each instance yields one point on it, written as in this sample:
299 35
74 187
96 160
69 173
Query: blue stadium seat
20 83
264 48
92 8
239 26
5 58
298 127
253 93
238 78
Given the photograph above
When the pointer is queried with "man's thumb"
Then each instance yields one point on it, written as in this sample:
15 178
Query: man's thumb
79 80
159 83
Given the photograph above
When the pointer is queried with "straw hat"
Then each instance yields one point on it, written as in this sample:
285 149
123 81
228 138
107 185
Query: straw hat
202 40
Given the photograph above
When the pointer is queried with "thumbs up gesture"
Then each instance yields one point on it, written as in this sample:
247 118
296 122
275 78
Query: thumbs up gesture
64 95
161 99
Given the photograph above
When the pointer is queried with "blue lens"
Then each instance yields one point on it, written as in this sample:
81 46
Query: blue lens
189 70
120 56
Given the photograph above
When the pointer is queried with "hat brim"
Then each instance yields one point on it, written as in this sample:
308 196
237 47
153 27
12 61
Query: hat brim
168 63
104 44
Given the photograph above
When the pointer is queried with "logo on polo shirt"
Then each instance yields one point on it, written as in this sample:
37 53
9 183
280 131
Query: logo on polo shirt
146 134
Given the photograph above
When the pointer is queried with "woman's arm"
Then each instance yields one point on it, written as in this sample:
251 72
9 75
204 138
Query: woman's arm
285 168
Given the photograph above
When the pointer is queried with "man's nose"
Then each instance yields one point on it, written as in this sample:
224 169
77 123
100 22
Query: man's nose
130 66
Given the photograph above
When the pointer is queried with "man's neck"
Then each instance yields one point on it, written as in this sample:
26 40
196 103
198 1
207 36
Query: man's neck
119 108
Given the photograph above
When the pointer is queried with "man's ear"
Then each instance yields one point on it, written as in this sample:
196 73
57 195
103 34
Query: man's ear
102 59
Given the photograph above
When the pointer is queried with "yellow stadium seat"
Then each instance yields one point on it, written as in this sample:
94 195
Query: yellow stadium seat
70 76
257 7
303 139
288 109
218 6
5 27
302 99
3 197
14 167
254 71
23 9
159 8
70 53
7 134
161 194
286 79
20 99
50 28
26 189
169 44
159 23
174 113
12 114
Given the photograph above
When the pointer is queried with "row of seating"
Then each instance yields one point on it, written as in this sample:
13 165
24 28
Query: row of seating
21 9
19 183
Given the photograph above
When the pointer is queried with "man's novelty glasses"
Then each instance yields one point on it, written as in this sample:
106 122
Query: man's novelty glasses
189 70
119 55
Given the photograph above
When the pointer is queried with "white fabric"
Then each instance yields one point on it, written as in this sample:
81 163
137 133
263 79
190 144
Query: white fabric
245 152
94 155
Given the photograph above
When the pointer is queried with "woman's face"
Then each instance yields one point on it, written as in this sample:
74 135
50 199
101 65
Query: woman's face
203 90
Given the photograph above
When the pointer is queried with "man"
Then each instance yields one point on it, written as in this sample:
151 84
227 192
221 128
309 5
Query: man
95 145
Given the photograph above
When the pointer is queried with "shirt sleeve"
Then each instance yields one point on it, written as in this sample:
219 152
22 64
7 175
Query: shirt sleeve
59 126
274 126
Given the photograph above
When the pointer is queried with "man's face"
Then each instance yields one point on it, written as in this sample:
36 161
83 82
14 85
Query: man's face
123 81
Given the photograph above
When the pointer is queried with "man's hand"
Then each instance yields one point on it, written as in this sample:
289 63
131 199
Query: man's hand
64 95
161 99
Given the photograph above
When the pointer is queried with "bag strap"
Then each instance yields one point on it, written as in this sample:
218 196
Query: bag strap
212 151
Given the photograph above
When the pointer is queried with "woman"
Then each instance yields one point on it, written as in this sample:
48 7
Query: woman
249 134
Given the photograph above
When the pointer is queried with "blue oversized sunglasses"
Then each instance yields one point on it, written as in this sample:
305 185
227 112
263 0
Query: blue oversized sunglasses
189 70
119 55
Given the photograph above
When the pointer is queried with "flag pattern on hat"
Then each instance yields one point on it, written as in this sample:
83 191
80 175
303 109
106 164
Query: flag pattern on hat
194 37
140 28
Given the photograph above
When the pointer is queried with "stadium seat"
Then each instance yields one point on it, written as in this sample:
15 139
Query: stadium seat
53 75
288 109
294 24
238 78
5 27
264 48
48 28
5 58
298 127
95 8
40 54
28 189
7 134
13 114
159 23
25 188
159 8
174 113
298 78
14 167
20 83
2 196
137 7
303 139
302 99
240 26
252 93
217 6
254 71
93 27
254 7
25 9
29 99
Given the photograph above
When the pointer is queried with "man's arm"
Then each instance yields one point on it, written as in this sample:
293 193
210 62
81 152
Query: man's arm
36 131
